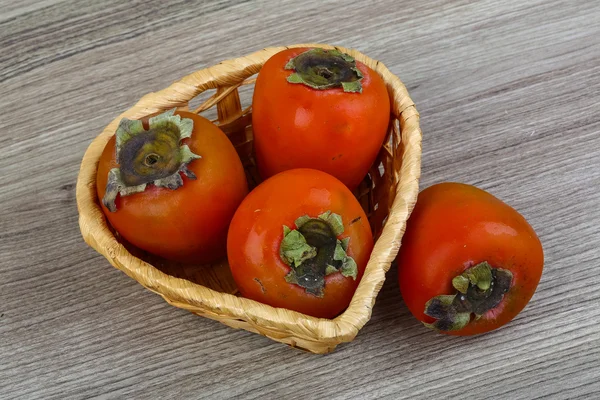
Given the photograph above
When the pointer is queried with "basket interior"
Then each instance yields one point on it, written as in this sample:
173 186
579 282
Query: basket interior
230 109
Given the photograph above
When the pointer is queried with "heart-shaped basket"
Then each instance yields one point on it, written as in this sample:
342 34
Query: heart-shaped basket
387 194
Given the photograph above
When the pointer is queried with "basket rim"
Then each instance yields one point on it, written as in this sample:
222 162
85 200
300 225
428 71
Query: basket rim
343 328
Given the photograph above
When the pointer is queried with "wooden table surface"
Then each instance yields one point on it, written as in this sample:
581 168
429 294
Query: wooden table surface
509 95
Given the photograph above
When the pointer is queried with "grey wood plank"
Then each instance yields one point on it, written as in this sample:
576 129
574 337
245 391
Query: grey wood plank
509 98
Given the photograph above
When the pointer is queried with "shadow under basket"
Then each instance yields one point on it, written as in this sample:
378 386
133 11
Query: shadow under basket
387 194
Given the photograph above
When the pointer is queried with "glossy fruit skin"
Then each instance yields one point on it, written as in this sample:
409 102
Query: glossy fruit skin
256 233
455 226
188 224
296 126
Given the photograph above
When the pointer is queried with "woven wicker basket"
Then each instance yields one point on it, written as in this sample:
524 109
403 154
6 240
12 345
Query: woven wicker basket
388 195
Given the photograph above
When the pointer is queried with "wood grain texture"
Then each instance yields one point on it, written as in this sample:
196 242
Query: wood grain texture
509 95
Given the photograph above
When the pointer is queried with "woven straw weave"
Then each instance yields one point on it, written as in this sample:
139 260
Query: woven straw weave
388 195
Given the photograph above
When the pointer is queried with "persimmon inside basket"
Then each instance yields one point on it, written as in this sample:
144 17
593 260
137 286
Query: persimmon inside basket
387 195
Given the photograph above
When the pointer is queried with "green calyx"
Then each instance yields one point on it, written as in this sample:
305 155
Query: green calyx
152 156
325 69
313 251
479 289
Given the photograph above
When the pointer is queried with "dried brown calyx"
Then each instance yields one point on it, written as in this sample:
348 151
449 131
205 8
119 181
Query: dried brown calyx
154 156
313 251
480 289
325 69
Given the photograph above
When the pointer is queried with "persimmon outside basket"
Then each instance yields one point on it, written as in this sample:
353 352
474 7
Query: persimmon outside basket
387 194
